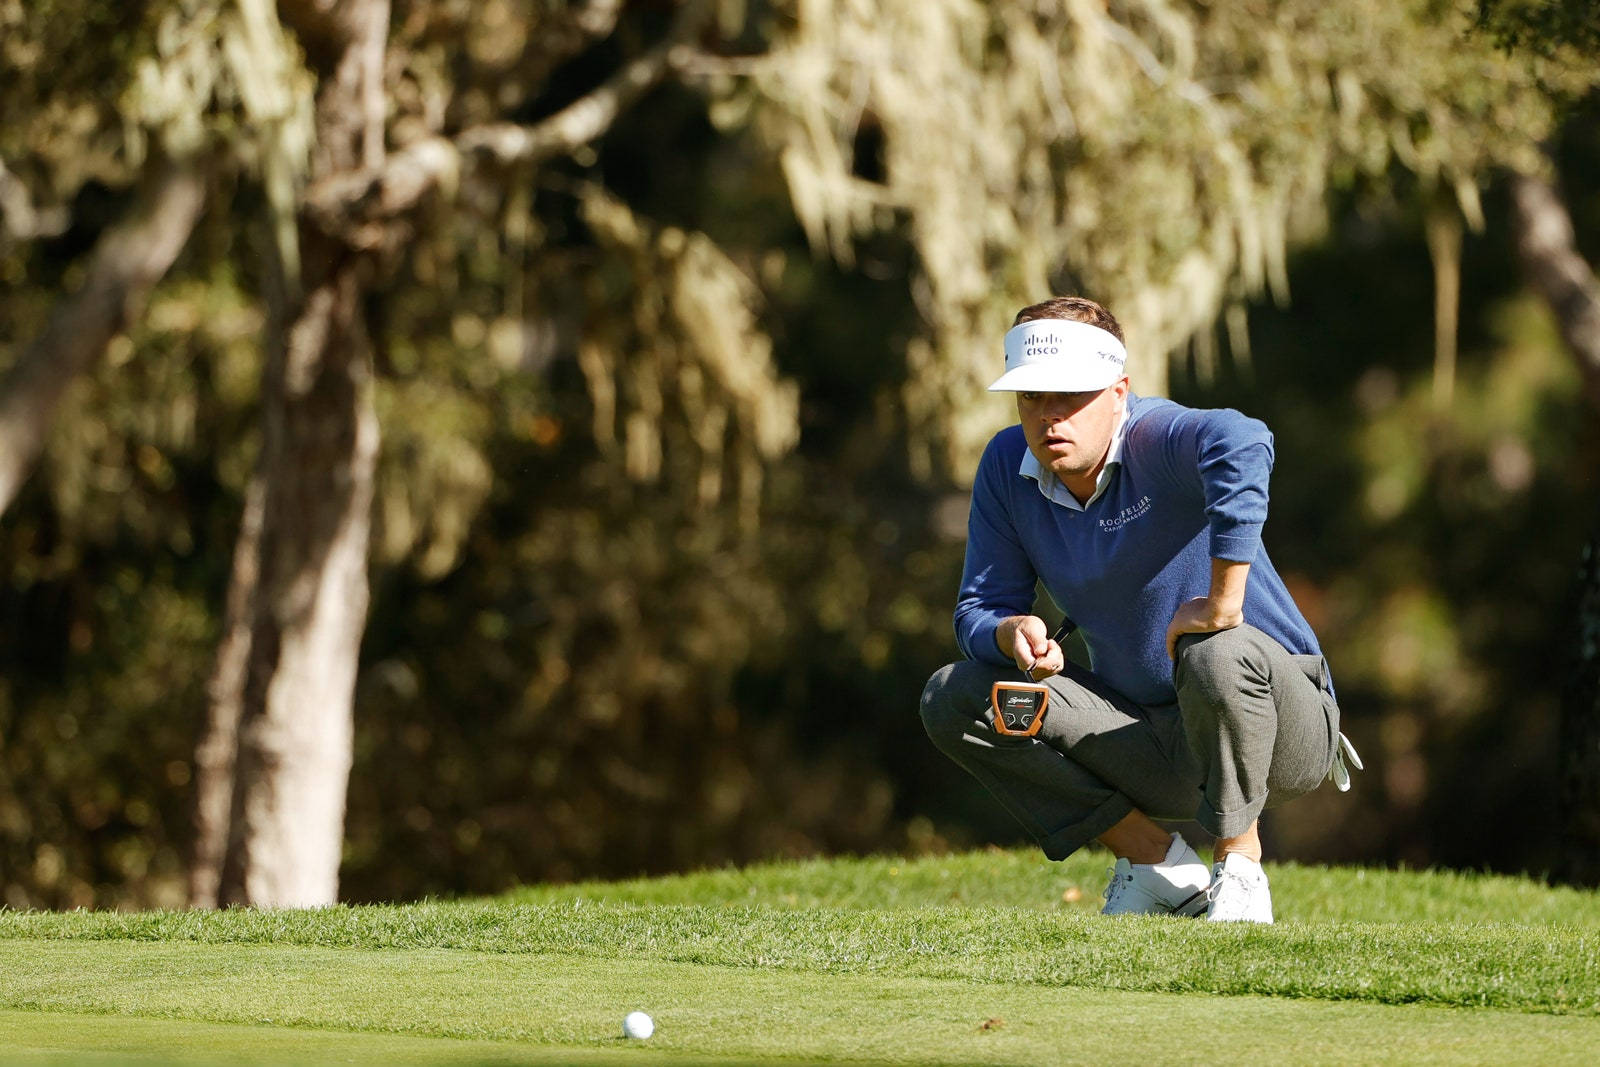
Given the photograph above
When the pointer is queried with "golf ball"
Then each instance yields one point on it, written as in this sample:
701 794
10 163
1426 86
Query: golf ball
638 1025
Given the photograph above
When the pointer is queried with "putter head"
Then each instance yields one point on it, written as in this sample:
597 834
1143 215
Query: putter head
1019 707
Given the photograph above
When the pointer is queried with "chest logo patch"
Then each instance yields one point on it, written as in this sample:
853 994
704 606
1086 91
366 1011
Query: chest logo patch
1126 515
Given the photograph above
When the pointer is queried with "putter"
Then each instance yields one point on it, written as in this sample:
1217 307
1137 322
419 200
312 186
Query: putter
1019 707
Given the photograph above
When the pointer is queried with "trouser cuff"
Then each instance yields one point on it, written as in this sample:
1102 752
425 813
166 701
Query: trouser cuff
1229 823
1067 840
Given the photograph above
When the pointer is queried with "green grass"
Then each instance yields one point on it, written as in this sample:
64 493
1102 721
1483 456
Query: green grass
1024 879
875 960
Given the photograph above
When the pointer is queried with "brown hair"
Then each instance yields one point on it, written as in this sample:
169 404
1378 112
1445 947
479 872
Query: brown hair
1073 309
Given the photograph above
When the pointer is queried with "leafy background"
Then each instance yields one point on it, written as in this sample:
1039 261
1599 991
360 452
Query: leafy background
607 641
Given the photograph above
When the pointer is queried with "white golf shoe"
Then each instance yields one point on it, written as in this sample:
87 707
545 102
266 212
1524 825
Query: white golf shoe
1175 886
1239 891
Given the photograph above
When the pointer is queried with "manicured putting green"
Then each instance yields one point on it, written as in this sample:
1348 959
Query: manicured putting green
103 1002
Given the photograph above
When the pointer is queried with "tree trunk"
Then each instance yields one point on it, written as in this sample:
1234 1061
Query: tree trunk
129 259
275 760
295 720
1548 251
1556 270
284 683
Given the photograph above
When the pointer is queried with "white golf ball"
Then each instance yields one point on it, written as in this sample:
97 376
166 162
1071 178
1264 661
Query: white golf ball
638 1025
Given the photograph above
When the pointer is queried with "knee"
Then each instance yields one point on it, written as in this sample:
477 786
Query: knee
1214 662
947 705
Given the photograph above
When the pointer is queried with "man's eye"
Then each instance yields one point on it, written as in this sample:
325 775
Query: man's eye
1031 396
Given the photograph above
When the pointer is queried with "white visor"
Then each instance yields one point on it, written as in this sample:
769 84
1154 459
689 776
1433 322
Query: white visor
1060 356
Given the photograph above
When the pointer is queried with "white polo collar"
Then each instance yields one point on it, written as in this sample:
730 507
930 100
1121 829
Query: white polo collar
1057 493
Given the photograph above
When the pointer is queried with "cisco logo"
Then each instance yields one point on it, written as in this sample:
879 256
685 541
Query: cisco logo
1044 345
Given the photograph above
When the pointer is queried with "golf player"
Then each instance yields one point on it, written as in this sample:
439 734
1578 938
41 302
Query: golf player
1206 697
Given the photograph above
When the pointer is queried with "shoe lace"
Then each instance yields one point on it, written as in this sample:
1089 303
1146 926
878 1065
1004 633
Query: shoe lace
1115 886
1220 881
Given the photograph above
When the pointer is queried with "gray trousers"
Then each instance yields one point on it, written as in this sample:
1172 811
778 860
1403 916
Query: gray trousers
1254 726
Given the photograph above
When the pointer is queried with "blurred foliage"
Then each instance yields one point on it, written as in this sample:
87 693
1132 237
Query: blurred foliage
1549 27
115 557
1163 154
661 560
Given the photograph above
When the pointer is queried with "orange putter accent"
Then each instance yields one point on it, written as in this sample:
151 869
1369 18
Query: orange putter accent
1019 707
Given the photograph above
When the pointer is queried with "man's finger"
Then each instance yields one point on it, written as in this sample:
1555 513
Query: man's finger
1038 636
1029 642
1050 662
1022 649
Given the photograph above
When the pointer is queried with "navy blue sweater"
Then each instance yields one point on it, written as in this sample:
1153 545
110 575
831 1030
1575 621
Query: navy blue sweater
1191 486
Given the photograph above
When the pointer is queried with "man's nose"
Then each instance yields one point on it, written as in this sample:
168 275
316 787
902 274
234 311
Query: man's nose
1055 409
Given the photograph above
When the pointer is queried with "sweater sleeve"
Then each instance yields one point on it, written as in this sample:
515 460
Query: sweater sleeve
1230 455
998 579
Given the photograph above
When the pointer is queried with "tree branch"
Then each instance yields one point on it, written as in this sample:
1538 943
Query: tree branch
586 119
579 122
347 202
1548 250
129 259
578 26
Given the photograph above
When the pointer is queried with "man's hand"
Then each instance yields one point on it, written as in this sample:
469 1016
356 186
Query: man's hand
1026 639
1222 609
1198 616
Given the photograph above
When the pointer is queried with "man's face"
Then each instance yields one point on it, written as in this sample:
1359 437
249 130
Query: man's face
1070 433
